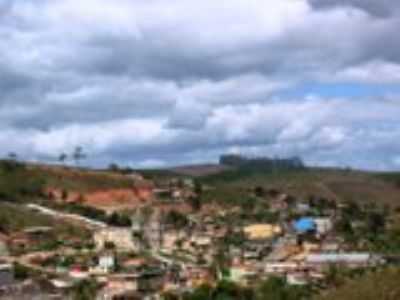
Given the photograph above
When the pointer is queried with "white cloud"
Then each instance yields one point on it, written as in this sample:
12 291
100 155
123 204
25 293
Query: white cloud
371 72
152 81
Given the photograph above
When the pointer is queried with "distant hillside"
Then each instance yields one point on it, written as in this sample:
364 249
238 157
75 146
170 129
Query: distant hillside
200 170
262 163
339 185
227 184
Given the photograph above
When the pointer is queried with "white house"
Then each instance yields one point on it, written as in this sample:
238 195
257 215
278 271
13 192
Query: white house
323 225
106 263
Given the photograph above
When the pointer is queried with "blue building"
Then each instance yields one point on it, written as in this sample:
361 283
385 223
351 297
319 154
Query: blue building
304 225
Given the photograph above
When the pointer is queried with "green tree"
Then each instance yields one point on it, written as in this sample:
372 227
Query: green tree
78 154
195 202
20 272
85 290
62 158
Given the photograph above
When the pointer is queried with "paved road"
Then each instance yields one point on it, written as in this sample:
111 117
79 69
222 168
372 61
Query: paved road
65 216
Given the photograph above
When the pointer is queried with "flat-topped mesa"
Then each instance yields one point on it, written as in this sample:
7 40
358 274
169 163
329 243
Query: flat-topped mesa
234 160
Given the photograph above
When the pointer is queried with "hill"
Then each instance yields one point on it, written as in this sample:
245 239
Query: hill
226 184
106 190
334 184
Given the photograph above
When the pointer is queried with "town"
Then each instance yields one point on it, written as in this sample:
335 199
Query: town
173 235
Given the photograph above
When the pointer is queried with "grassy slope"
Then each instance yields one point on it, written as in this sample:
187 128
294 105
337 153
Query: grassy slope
332 184
376 286
393 177
79 180
14 218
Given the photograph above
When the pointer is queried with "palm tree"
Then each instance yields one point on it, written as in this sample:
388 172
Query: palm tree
78 154
62 158
12 156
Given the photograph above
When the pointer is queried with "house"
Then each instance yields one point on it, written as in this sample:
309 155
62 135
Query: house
154 232
119 287
151 280
6 275
331 246
143 189
197 276
38 231
309 247
121 238
134 265
78 273
281 267
61 284
305 225
298 278
170 241
323 225
283 250
20 241
280 203
106 263
348 259
262 231
201 241
243 274
303 207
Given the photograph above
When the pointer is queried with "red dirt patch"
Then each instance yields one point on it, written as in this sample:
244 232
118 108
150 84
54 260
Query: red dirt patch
108 199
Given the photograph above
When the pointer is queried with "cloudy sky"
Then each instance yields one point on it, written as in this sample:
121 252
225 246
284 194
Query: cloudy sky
163 82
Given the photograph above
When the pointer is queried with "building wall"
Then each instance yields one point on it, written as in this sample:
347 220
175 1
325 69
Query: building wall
121 238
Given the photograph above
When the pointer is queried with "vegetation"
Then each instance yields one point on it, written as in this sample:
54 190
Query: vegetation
393 177
15 218
85 290
232 186
16 184
20 272
176 219
262 163
382 284
271 289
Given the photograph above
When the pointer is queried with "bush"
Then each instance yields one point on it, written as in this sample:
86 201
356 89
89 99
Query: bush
16 184
20 272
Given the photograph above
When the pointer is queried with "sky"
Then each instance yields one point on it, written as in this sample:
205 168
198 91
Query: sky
155 83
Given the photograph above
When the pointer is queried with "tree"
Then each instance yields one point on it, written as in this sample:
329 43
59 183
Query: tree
64 194
12 156
109 246
85 290
259 191
62 158
203 292
176 219
20 272
198 188
195 202
376 222
78 154
113 167
119 220
222 262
